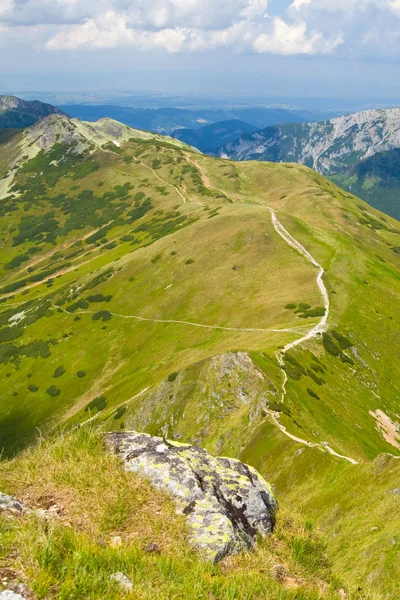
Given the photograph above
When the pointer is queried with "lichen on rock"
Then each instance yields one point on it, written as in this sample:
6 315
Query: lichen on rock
227 503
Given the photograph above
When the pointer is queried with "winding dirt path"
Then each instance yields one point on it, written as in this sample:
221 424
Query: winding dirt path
319 328
190 323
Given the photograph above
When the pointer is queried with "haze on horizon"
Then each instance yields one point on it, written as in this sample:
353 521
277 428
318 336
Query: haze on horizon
274 48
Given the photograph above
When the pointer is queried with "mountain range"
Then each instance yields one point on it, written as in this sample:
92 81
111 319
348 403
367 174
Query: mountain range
168 119
210 137
15 112
358 150
246 307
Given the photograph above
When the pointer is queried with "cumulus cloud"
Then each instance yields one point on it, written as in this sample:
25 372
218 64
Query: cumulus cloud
301 27
293 39
193 25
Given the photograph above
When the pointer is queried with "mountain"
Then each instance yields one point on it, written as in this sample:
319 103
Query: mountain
347 148
375 179
17 113
245 307
327 147
212 137
168 119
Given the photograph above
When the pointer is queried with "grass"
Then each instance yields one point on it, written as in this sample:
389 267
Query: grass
88 256
72 553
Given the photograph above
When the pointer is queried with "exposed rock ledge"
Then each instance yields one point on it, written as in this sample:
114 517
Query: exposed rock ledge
227 503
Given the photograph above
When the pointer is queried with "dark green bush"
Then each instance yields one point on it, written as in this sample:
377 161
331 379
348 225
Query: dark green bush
33 388
98 403
53 391
172 376
189 261
80 374
313 394
99 298
344 342
59 371
104 315
121 410
329 344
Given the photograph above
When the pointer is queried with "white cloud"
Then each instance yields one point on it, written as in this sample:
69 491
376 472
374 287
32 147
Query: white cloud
293 39
394 6
348 27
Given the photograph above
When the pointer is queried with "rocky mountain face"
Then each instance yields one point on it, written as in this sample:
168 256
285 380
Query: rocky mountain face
328 147
18 113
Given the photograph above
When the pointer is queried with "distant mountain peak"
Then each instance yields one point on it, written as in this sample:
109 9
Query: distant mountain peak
18 113
327 146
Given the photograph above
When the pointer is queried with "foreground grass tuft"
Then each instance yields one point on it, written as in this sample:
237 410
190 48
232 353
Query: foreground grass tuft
92 519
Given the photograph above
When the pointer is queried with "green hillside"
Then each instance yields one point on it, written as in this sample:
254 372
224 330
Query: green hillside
376 180
146 286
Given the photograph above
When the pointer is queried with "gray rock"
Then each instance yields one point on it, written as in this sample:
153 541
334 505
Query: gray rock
10 595
122 580
10 504
226 502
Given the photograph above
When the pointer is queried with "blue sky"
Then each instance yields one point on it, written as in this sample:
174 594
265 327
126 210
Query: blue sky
342 48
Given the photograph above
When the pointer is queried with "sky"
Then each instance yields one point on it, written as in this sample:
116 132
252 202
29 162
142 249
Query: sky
335 48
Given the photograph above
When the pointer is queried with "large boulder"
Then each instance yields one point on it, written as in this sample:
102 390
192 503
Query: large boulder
227 503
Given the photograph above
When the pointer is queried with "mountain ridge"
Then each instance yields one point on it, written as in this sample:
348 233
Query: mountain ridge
18 113
210 137
323 146
147 286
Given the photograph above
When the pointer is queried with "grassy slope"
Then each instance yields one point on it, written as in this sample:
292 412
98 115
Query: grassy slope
72 553
151 278
376 180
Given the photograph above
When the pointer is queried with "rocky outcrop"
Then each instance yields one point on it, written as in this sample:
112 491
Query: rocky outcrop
227 503
10 504
328 147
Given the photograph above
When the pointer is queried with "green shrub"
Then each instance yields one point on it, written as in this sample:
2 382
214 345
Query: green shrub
173 376
121 410
313 394
53 391
314 377
80 374
59 371
293 368
329 344
290 306
99 298
344 342
189 261
16 261
7 334
98 403
33 388
156 258
104 315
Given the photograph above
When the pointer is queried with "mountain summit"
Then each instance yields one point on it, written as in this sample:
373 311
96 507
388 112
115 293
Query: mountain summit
18 113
